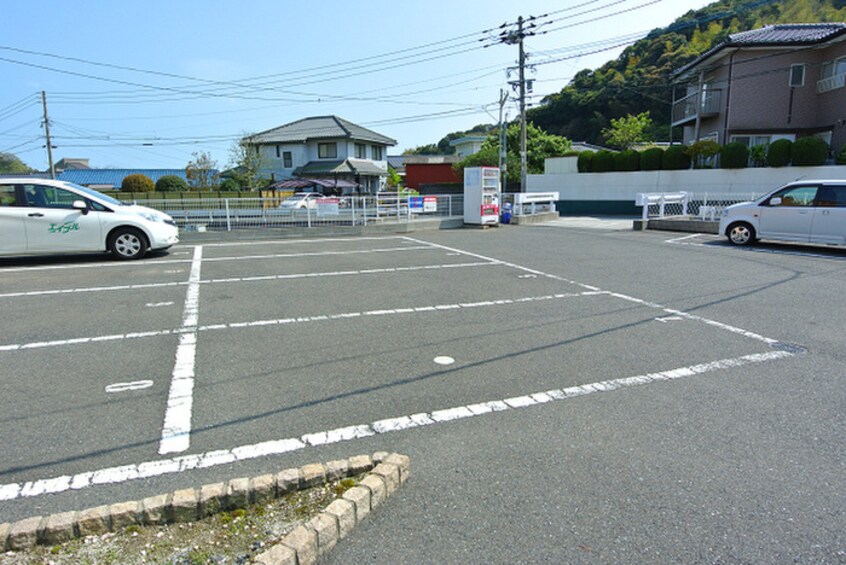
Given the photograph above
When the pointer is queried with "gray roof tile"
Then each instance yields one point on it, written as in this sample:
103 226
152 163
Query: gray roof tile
320 127
788 34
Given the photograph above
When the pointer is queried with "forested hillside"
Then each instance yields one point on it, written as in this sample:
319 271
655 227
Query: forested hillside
639 80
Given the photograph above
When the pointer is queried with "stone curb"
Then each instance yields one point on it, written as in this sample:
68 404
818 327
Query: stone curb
316 537
186 505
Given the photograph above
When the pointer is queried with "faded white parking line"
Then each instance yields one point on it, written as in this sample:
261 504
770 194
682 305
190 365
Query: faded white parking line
671 311
124 387
318 253
258 278
115 475
303 319
158 304
176 431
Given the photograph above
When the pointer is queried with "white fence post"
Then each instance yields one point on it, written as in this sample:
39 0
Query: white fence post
228 222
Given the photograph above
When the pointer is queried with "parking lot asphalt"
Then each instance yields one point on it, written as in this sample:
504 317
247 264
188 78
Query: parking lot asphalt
567 392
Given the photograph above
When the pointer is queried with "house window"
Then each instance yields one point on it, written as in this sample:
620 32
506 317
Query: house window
288 161
327 150
376 152
836 67
797 75
277 152
360 151
751 140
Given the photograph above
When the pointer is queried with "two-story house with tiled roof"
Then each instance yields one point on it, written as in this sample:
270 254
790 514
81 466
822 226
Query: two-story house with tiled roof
780 81
325 147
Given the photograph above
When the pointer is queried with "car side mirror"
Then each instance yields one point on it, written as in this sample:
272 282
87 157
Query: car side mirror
81 206
775 201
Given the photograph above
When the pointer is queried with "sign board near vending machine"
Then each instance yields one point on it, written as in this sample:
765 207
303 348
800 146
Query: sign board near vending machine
481 195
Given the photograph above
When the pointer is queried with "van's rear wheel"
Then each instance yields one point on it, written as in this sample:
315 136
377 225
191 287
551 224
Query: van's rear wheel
741 233
127 244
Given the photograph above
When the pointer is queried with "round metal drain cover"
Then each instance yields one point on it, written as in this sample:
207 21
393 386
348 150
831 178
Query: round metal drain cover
789 347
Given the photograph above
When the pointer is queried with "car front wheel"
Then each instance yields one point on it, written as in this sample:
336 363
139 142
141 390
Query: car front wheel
741 233
127 243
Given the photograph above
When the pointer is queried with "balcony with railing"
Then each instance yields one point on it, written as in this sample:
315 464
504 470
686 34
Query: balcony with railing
687 109
831 83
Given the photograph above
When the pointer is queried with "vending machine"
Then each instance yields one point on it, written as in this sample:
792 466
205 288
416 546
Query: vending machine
481 195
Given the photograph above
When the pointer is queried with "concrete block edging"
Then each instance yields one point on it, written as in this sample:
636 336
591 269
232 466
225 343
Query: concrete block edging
301 546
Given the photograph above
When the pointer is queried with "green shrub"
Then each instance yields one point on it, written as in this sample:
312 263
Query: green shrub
778 154
603 161
586 161
809 152
137 183
675 159
840 158
230 185
734 156
627 160
650 159
702 151
758 155
171 183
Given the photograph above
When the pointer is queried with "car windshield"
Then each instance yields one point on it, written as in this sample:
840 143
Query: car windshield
95 194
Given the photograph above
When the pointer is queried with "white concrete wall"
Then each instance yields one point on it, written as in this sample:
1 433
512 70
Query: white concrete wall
624 186
560 165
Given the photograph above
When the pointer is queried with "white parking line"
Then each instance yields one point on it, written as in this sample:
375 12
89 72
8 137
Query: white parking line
379 271
115 475
176 432
177 428
282 321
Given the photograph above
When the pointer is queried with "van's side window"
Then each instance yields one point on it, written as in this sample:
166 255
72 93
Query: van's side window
40 196
832 196
7 195
796 196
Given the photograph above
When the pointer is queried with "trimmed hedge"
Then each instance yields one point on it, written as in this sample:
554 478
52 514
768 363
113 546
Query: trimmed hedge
650 159
675 159
734 156
778 154
840 158
809 152
585 162
603 161
137 183
171 183
628 160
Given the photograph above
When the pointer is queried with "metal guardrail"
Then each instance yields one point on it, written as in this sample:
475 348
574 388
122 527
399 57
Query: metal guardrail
228 214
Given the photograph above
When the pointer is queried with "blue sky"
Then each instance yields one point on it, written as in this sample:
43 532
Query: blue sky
146 84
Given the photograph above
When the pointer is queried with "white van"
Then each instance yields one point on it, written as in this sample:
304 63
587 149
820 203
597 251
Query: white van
47 216
812 211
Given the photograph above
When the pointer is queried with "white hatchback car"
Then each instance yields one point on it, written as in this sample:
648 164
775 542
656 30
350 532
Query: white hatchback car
47 216
812 211
300 201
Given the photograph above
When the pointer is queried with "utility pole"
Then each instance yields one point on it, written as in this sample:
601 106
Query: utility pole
47 134
524 29
503 137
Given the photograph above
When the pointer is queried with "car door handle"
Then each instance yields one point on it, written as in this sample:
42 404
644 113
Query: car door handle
36 215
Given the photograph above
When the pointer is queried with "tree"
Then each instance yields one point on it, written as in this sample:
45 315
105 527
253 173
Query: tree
10 164
394 179
201 171
246 163
137 183
539 146
171 183
627 131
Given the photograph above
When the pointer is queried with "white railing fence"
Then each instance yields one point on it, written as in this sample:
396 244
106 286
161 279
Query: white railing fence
227 214
705 206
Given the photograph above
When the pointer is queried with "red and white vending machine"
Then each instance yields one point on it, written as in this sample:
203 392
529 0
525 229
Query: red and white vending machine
481 195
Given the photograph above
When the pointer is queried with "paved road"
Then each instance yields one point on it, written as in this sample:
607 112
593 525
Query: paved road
615 396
